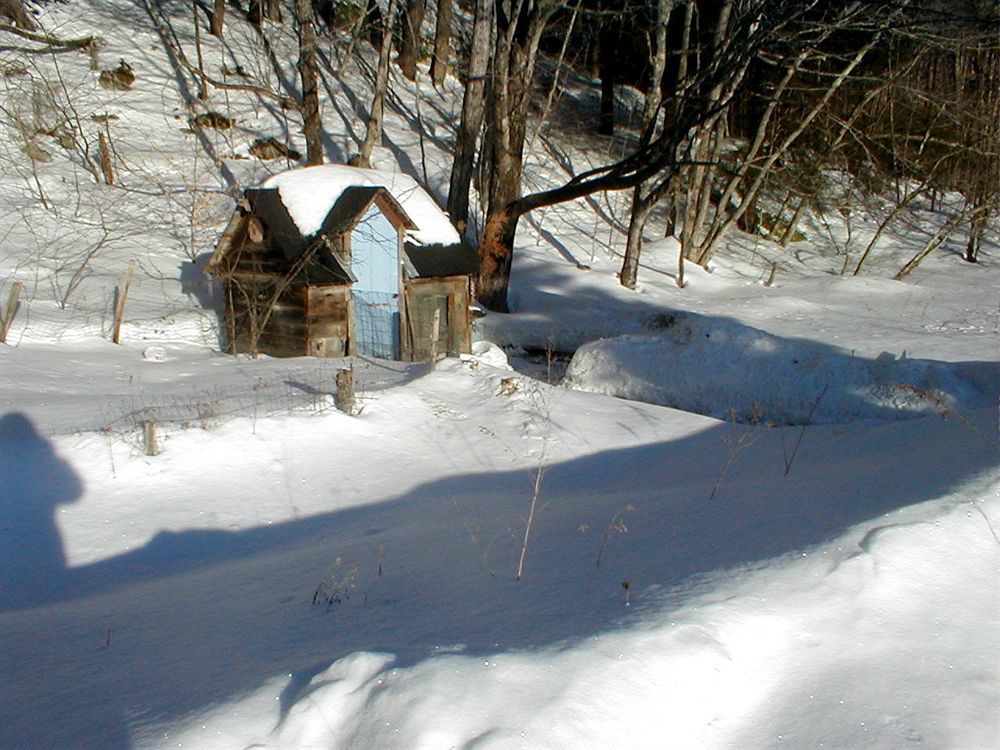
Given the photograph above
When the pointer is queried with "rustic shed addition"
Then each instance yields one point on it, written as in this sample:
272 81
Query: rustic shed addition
333 260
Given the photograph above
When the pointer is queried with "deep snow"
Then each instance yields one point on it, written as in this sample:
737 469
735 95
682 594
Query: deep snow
284 575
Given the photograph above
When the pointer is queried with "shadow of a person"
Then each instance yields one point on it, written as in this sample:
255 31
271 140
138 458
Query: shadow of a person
34 481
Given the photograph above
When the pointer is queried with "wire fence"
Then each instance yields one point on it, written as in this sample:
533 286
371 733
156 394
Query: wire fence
275 387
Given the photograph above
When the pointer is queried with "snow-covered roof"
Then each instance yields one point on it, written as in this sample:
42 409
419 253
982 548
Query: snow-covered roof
310 192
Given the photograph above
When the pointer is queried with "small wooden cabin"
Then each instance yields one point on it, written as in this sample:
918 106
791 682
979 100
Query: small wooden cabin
332 260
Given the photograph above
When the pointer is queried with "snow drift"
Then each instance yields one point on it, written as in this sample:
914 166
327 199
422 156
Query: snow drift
729 370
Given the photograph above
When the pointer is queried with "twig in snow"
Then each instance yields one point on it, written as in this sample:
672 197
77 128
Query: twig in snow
747 436
802 430
617 525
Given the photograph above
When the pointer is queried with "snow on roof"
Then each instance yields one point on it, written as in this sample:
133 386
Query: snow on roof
310 192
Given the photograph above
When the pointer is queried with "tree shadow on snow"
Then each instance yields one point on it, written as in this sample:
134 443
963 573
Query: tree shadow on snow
195 617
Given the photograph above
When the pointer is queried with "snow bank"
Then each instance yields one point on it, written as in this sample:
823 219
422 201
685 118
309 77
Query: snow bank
814 650
309 194
728 370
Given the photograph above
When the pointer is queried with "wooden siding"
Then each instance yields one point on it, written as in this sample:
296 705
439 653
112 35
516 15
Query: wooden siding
281 333
328 320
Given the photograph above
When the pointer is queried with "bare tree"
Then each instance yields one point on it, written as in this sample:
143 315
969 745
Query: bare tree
218 18
754 166
472 114
308 72
790 60
409 48
643 202
519 27
373 131
442 42
202 82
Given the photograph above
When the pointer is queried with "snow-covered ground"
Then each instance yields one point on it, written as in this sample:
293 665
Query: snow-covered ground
794 545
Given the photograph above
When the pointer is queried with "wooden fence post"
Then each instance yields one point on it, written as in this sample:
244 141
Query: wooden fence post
120 303
344 398
9 309
149 441
106 166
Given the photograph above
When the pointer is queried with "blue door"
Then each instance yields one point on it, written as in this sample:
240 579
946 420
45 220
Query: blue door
375 264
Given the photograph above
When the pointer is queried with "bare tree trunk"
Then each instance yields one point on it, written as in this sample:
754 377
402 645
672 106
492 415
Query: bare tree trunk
793 223
409 48
472 115
977 228
556 76
218 18
202 84
706 143
312 125
932 244
442 42
641 204
261 10
495 256
373 132
641 208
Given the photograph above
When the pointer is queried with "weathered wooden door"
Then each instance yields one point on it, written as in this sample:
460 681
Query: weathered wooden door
375 264
423 309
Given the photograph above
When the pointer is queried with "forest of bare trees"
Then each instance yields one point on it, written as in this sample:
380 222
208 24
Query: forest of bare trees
748 106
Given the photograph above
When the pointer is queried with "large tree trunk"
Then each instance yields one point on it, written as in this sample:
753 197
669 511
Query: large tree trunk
373 133
519 31
442 42
312 125
409 48
495 256
218 18
472 115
